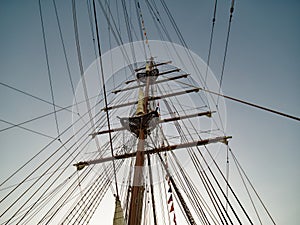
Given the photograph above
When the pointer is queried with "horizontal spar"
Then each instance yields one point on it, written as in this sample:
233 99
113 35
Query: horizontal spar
159 74
152 98
158 64
208 113
222 139
156 82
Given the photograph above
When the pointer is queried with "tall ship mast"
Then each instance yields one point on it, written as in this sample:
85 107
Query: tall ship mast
145 125
135 133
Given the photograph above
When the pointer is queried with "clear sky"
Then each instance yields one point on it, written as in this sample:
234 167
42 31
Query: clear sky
262 66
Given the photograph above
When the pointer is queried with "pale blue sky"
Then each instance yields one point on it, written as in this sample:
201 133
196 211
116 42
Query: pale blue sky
262 67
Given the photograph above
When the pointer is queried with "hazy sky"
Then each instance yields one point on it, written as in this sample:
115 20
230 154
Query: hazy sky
262 67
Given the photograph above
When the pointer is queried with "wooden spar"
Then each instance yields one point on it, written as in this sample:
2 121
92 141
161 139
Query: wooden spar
153 98
207 113
162 73
158 64
155 82
222 139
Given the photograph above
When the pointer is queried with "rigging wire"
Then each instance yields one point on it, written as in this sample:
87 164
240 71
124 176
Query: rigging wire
84 176
34 178
38 189
52 174
118 17
229 186
110 140
178 127
140 27
69 192
105 96
129 32
91 197
45 115
211 40
227 173
194 197
33 96
163 194
247 190
81 70
253 105
110 45
206 181
44 201
189 188
226 47
201 171
143 27
91 19
178 193
247 178
65 54
39 153
90 11
194 187
152 190
116 33
48 67
244 102
188 52
27 129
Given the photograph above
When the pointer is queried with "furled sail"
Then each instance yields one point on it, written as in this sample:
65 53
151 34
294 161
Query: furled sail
140 106
118 217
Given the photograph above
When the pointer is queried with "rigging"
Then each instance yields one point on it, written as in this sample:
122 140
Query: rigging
105 96
226 46
48 67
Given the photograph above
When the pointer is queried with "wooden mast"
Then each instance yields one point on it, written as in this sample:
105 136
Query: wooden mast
137 189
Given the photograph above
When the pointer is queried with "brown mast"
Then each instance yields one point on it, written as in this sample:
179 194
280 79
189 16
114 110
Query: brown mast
137 189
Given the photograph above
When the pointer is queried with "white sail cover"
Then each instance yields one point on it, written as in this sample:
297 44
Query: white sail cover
140 106
118 217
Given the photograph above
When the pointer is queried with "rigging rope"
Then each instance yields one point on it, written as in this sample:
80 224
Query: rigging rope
211 40
247 178
88 208
46 171
45 115
143 28
227 173
129 33
27 129
179 130
116 33
226 47
253 105
33 96
48 67
105 96
248 193
178 193
81 70
244 102
39 153
206 181
84 135
65 55
152 189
